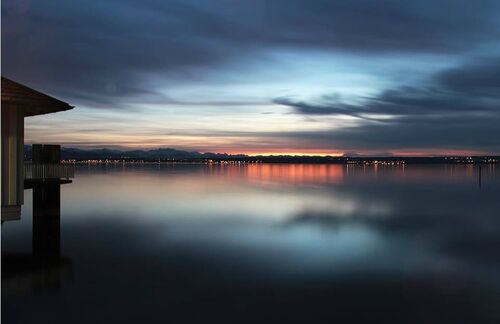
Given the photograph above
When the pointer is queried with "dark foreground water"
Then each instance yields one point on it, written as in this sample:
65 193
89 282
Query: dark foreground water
259 243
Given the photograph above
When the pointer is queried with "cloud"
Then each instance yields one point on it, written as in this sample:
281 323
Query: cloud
480 78
103 53
324 109
128 54
460 111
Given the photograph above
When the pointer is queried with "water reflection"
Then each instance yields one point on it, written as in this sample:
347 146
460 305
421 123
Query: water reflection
271 243
44 268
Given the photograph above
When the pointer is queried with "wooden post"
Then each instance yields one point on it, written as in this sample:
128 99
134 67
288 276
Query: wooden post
12 159
46 220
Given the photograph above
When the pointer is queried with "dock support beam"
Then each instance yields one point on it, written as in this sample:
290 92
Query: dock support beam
47 221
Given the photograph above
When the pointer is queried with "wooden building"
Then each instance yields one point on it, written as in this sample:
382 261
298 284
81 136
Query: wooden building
18 102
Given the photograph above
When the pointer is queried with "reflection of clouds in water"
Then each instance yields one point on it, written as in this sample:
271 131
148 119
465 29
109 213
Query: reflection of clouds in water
176 199
389 221
341 204
283 249
447 244
386 246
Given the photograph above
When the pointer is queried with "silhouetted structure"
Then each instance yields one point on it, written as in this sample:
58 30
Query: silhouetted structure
45 267
46 154
18 102
46 204
46 220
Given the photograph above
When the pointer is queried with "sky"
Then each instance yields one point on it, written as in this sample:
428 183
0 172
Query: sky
357 77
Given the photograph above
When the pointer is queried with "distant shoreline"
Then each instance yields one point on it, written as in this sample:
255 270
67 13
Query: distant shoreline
302 160
170 155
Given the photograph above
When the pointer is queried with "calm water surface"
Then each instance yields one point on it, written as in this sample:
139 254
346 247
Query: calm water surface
261 243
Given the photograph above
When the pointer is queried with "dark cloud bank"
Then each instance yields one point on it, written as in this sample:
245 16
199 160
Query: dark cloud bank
102 51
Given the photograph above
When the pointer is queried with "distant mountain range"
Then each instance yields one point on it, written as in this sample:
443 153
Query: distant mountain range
68 153
169 154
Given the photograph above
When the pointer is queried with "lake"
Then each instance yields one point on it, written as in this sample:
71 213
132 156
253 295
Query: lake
186 243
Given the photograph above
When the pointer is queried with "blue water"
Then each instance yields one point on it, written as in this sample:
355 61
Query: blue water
260 243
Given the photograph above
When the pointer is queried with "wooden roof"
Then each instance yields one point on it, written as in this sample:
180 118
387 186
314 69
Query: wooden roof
32 102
